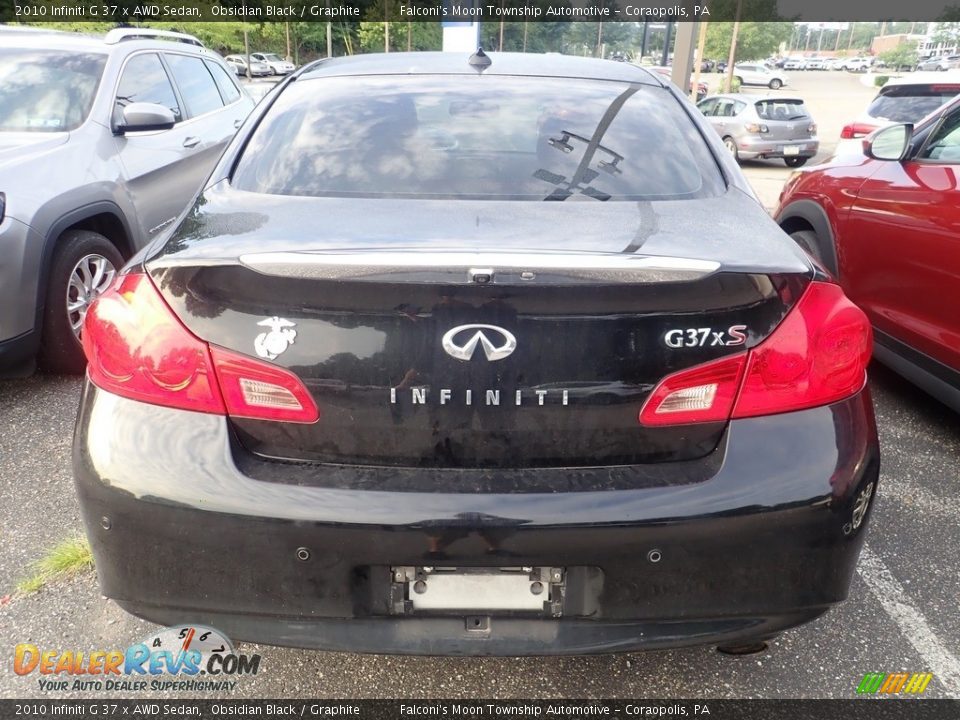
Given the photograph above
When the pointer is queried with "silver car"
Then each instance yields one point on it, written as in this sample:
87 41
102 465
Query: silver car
941 63
258 68
277 65
759 127
103 144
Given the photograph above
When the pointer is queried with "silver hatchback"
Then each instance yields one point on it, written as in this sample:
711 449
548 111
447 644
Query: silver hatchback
758 127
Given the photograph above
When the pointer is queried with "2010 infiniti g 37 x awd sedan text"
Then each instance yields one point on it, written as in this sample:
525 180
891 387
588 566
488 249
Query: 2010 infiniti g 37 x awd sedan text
495 355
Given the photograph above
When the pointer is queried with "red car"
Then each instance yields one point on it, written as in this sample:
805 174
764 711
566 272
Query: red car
887 224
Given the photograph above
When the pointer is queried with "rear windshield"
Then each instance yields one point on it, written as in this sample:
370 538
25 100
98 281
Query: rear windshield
910 103
46 90
782 110
474 137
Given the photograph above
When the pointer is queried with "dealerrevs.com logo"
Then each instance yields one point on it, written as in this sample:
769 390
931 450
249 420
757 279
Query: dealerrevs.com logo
181 657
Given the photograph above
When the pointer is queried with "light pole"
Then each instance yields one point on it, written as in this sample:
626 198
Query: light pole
733 48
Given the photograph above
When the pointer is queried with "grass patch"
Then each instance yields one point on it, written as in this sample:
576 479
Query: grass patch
63 560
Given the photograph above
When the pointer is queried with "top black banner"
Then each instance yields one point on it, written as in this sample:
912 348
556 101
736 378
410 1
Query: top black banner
465 11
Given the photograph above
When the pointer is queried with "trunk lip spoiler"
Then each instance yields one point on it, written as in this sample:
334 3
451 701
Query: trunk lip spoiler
412 265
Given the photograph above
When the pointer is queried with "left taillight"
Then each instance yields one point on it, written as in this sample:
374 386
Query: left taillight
137 348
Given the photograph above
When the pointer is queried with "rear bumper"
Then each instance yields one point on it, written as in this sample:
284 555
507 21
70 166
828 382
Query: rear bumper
750 148
763 545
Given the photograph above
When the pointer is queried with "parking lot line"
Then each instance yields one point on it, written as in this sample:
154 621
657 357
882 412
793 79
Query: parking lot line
914 626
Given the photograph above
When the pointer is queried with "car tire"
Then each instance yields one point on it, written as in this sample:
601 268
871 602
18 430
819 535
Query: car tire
794 162
775 84
84 265
731 145
807 239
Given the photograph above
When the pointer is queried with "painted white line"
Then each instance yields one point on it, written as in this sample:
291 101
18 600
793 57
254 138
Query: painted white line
895 601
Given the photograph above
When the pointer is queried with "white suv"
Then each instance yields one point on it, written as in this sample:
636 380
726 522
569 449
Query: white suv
907 99
759 74
855 64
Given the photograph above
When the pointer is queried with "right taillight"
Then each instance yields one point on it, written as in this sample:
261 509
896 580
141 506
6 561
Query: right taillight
817 355
856 130
137 348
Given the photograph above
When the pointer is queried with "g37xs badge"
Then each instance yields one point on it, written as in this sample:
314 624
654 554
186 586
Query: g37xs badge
271 344
705 337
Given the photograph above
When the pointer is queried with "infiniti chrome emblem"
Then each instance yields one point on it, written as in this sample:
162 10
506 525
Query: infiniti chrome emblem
464 351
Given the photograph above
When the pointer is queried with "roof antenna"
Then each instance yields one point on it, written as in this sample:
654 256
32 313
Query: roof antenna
480 61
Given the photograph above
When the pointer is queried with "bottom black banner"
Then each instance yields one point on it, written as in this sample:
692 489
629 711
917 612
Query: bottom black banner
865 709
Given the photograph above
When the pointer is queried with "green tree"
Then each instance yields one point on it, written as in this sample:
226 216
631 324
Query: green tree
947 33
582 38
903 55
403 35
755 41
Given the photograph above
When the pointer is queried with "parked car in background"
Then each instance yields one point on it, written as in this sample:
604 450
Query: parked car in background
708 66
795 63
887 225
940 63
103 143
702 88
759 74
756 127
855 64
902 100
721 66
816 63
277 65
880 64
258 68
378 431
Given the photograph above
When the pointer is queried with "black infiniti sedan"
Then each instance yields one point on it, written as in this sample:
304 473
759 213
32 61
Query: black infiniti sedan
489 356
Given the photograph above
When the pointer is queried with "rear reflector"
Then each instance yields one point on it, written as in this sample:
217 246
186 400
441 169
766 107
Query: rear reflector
137 348
816 356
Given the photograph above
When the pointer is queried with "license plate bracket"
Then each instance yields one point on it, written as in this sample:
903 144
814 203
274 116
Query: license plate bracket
426 590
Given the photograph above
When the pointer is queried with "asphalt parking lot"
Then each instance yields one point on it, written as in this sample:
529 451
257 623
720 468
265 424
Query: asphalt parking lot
901 616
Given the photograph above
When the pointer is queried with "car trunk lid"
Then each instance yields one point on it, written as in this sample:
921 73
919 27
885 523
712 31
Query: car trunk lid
485 349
